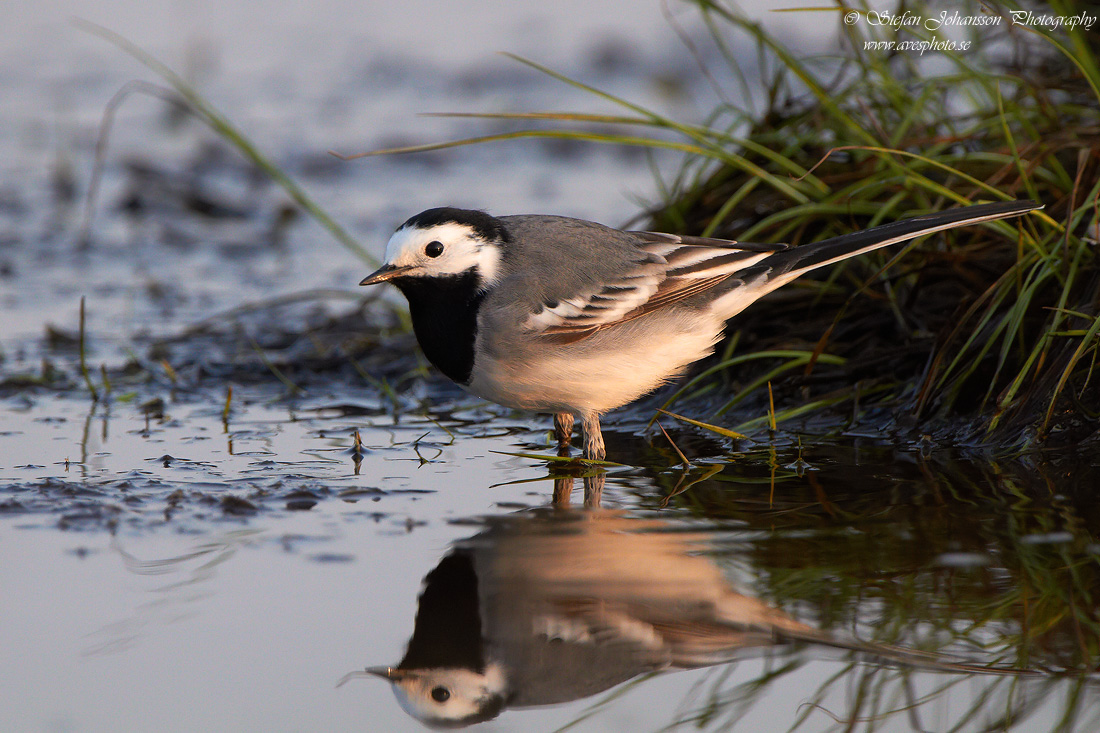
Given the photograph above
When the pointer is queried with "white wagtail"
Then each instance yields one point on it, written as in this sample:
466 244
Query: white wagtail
560 315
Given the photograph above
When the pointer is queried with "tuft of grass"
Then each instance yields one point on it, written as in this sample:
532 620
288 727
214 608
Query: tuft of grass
980 314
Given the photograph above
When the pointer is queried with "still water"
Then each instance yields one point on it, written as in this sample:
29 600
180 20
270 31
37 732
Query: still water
206 549
199 574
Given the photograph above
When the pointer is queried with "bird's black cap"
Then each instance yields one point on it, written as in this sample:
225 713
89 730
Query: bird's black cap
486 226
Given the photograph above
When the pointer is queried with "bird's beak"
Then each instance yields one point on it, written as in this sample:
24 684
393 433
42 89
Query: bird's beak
384 273
388 673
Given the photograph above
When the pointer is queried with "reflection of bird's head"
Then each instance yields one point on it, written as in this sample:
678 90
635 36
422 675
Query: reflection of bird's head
444 680
447 698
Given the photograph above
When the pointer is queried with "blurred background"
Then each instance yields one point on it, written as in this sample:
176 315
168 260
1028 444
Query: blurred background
181 225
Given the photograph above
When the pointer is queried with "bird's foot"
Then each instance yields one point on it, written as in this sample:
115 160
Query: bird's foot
563 429
594 449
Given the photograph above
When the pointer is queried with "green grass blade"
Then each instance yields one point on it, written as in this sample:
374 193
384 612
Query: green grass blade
717 429
229 132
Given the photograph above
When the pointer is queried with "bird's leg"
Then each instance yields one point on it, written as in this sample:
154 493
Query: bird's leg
563 428
593 439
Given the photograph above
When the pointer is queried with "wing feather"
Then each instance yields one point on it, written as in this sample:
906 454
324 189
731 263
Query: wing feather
660 237
669 269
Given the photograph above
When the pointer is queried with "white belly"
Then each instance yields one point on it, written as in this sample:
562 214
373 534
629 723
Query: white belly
599 373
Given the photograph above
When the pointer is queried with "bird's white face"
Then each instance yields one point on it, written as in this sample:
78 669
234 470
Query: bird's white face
440 696
443 249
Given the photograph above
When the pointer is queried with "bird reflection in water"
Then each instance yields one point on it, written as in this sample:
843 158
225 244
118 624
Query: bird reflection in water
555 605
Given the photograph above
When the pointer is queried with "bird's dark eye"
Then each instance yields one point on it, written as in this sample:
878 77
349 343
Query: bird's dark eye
440 694
434 249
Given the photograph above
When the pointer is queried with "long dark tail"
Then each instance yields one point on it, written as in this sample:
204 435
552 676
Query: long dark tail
787 265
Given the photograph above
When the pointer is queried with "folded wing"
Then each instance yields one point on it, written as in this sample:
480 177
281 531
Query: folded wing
669 269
